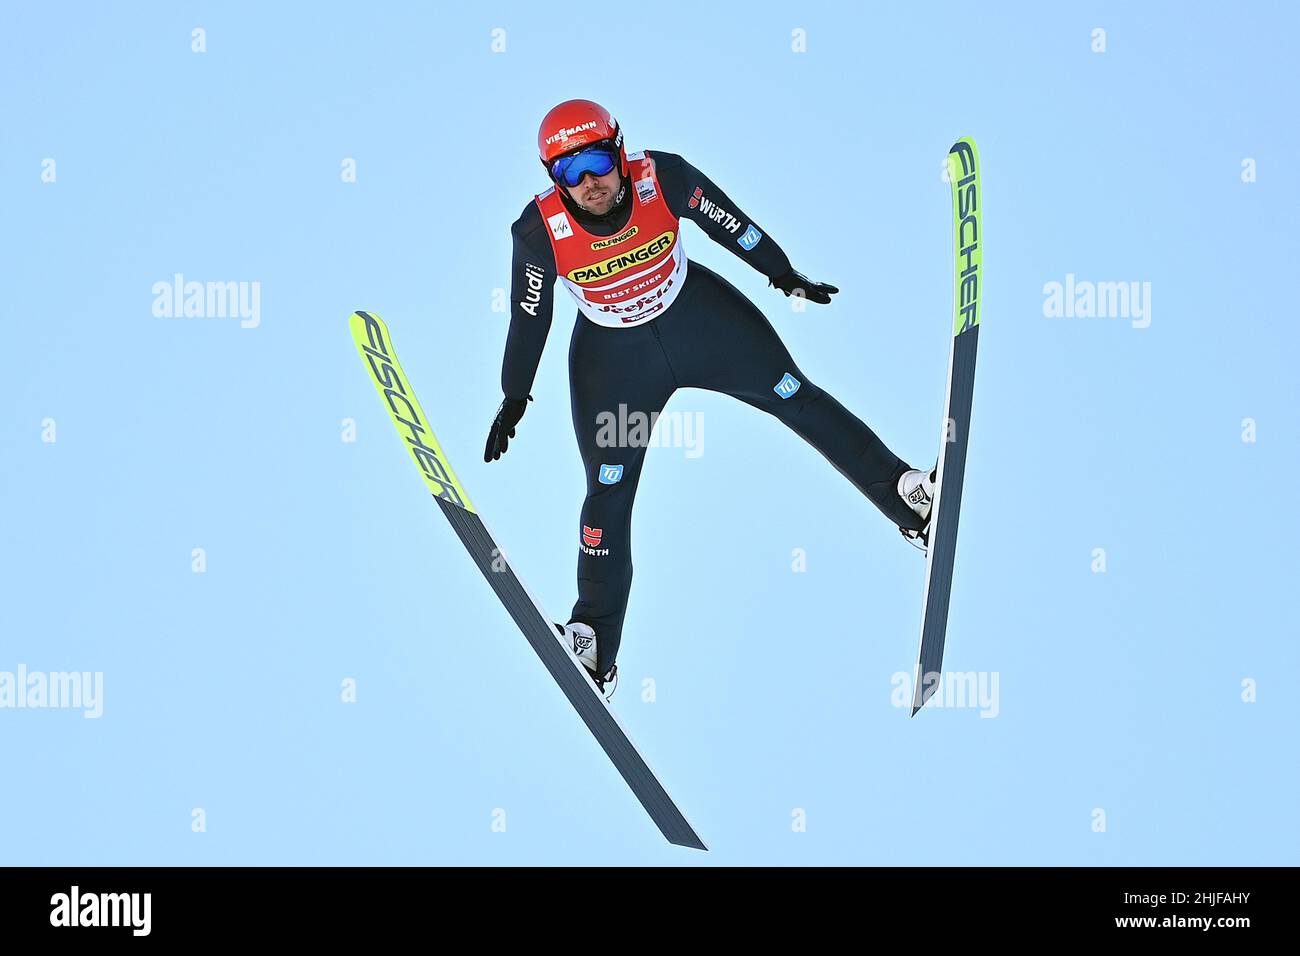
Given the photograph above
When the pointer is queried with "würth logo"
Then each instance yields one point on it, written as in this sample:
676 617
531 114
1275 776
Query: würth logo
591 538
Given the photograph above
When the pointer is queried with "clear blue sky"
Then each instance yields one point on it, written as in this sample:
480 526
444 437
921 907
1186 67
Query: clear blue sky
326 561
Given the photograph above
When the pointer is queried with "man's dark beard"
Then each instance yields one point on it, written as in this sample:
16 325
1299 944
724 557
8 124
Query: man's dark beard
616 208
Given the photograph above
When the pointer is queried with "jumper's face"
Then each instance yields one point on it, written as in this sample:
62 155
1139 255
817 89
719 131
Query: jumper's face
596 194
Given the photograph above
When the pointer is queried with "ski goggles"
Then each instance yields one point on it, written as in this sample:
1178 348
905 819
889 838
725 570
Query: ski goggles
598 160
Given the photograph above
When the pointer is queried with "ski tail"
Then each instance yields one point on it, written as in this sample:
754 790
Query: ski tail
963 174
569 674
376 348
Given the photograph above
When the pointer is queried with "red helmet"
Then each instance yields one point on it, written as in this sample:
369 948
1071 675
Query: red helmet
575 124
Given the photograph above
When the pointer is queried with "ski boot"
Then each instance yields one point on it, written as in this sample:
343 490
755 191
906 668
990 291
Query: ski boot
916 487
580 639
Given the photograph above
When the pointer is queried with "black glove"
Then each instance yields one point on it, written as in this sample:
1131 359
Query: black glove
792 282
503 427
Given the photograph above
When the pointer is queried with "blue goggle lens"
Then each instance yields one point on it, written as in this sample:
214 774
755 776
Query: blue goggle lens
597 160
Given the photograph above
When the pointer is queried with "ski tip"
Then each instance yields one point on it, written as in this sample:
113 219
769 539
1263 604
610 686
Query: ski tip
360 318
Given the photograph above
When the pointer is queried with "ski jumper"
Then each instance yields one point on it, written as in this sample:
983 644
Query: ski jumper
650 321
